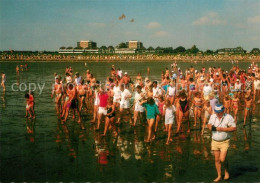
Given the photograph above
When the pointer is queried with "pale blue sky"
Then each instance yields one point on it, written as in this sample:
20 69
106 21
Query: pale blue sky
209 24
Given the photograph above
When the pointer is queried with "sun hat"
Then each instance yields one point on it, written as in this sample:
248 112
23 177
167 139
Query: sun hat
202 78
125 73
219 108
238 80
217 73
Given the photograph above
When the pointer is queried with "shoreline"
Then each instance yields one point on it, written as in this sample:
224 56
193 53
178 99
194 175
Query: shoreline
123 61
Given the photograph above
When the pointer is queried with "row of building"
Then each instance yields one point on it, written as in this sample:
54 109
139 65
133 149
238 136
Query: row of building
132 47
89 46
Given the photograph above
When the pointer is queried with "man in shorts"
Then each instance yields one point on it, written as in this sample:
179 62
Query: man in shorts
221 124
125 102
102 109
138 108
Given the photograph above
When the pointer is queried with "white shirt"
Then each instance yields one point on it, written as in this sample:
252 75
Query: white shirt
171 91
238 86
124 94
257 84
156 91
138 97
120 73
169 111
207 90
226 121
117 92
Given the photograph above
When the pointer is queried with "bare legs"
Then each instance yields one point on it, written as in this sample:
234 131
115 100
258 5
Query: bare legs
220 159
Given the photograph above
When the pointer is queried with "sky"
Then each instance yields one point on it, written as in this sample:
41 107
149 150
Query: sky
208 24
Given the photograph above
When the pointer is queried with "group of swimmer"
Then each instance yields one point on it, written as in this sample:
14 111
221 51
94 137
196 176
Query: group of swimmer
180 95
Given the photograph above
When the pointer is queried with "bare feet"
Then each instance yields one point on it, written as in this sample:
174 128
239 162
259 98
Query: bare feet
226 176
146 140
217 179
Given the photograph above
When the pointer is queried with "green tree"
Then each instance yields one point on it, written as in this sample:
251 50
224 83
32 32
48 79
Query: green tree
121 45
179 49
62 47
111 49
193 50
209 52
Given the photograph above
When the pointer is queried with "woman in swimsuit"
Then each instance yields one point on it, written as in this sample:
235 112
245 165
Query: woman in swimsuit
235 103
183 108
192 87
197 103
110 117
224 85
138 79
248 107
227 103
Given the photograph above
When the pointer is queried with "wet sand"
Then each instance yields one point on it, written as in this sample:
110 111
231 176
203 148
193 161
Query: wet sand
44 150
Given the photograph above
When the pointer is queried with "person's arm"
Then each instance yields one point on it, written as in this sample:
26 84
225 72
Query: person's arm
229 129
231 126
211 122
164 110
53 90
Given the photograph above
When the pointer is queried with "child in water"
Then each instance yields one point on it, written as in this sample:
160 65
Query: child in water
168 111
29 105
207 112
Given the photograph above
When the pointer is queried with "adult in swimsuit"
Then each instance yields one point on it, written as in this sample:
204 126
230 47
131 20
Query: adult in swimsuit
110 117
183 110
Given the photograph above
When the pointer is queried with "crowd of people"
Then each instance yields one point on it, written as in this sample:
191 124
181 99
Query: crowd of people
178 96
210 95
182 99
125 57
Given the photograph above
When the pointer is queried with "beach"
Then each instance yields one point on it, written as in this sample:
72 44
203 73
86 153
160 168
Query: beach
56 152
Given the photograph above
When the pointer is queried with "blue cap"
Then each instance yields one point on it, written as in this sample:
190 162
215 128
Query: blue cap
219 108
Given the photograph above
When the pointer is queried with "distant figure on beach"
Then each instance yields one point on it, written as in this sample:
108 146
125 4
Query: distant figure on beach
3 81
221 124
58 91
148 71
17 69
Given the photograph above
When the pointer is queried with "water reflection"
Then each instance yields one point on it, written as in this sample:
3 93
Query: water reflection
70 136
30 128
247 139
3 98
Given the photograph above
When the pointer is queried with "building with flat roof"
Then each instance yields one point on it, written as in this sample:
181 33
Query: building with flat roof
237 50
125 51
134 44
87 44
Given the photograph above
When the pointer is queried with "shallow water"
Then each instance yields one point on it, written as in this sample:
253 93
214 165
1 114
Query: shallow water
55 152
